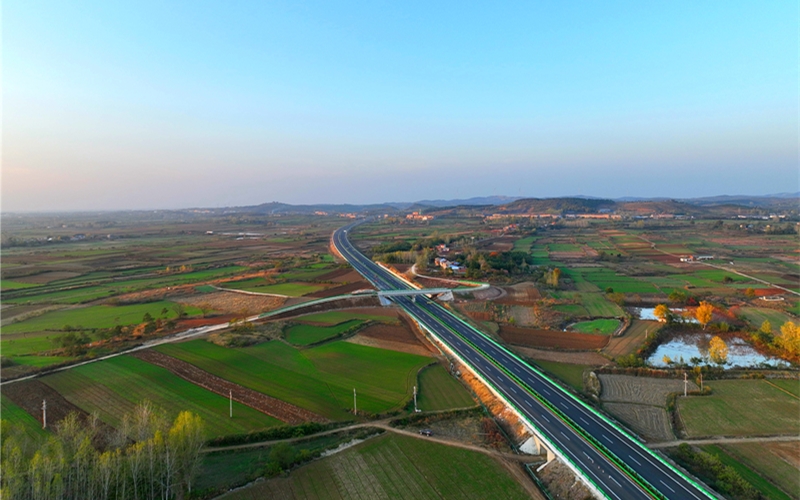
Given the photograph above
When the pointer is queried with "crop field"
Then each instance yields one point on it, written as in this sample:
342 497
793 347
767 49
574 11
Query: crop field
632 338
392 466
569 373
113 387
524 244
320 379
764 486
597 326
650 422
101 316
260 285
15 285
757 315
16 416
640 390
777 462
336 317
438 390
605 278
789 385
738 408
598 305
301 334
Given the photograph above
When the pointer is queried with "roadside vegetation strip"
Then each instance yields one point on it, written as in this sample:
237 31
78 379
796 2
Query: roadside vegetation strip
622 431
738 408
750 475
336 317
320 379
438 390
273 407
113 387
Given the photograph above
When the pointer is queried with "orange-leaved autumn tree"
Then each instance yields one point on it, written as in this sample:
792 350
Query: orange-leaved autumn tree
703 313
662 312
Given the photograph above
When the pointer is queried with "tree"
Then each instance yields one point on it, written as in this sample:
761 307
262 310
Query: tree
180 309
677 297
667 360
766 327
703 313
749 293
186 439
789 340
718 350
663 313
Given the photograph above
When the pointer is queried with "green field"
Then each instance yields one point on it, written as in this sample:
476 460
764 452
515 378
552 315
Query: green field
113 388
790 385
18 417
740 408
438 390
103 316
15 285
597 304
757 315
524 244
759 457
301 334
748 474
336 317
597 326
569 373
320 379
392 466
260 285
605 278
40 361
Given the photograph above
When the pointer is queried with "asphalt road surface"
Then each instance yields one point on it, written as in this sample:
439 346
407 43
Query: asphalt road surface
566 422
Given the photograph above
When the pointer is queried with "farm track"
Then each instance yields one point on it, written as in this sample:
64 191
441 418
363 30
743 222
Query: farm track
266 404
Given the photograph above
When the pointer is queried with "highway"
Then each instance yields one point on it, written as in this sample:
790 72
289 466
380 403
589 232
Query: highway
587 440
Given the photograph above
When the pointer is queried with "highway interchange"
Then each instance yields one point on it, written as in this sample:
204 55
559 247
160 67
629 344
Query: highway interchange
567 425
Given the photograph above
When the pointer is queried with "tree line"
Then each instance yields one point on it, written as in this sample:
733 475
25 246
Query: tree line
146 458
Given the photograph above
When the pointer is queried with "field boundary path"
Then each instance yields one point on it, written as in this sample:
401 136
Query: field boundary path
724 440
273 407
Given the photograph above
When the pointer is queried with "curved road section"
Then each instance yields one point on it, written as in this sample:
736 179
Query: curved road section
614 463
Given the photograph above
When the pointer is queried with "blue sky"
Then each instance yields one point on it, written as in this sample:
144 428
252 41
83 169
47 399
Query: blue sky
183 104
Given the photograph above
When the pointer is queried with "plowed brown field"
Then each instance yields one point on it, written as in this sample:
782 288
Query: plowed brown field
551 338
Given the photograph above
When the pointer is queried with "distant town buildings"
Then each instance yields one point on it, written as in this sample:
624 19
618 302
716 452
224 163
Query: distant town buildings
416 216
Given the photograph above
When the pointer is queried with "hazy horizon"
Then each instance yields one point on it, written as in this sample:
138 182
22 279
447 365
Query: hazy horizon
144 105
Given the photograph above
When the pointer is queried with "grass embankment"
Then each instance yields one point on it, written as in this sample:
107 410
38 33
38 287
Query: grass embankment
113 388
597 326
302 334
750 475
569 373
320 379
741 408
438 390
392 466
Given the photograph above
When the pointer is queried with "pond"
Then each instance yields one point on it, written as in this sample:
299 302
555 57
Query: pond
689 345
648 313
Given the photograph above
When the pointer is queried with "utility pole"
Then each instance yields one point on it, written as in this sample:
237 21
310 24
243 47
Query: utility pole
685 384
230 393
415 399
355 406
44 414
701 381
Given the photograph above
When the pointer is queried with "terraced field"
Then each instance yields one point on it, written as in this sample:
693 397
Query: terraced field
597 326
320 379
393 466
114 387
260 285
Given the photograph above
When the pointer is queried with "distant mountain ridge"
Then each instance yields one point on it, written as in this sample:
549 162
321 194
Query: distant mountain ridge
569 204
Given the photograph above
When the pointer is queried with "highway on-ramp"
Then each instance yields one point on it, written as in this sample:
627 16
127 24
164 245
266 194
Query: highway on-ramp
614 462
